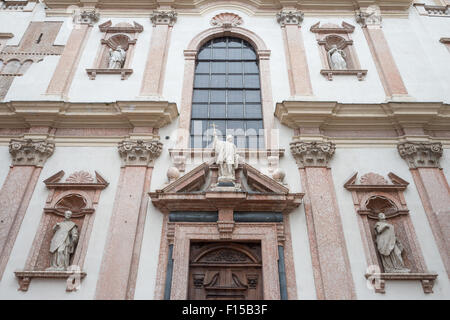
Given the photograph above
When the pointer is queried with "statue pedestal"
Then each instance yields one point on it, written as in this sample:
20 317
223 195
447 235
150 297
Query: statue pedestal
228 186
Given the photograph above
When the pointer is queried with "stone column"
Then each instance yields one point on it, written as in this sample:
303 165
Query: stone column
331 266
28 158
290 22
122 251
152 83
432 185
370 21
68 63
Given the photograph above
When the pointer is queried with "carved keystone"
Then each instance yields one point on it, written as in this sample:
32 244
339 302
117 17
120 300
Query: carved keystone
163 17
421 154
285 17
30 152
139 153
312 154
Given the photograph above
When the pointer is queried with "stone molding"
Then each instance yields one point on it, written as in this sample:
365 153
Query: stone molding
163 17
432 11
371 16
139 152
29 152
421 154
427 279
312 154
57 114
294 17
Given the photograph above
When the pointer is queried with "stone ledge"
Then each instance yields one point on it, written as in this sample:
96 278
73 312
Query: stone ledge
125 73
25 277
427 279
329 73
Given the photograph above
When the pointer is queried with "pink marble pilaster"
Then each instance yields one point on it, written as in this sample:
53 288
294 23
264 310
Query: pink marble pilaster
384 61
15 196
331 264
152 83
298 70
68 63
123 235
434 192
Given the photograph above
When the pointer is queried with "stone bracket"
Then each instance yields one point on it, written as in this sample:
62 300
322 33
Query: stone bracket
73 278
329 73
124 73
427 280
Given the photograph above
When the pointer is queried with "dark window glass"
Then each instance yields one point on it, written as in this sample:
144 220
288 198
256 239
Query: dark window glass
227 94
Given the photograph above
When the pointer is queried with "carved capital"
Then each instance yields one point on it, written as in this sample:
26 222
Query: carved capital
163 17
139 153
30 152
312 154
86 17
285 17
369 16
421 154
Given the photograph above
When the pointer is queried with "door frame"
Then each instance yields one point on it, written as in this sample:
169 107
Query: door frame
266 233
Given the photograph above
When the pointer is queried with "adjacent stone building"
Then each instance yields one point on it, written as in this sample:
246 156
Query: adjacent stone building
337 111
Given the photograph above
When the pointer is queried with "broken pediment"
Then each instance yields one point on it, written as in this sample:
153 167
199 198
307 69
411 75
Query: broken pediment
198 191
375 182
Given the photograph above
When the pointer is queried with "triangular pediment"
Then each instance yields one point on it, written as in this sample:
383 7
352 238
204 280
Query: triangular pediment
202 178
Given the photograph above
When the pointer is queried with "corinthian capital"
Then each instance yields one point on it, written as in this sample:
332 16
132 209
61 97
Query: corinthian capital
370 16
163 17
139 153
86 17
312 154
421 154
285 17
30 152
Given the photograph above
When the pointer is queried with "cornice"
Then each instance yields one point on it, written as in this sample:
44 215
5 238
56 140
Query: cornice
58 114
389 115
254 6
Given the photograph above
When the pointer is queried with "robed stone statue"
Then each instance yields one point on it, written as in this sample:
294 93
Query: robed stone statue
116 58
336 57
226 158
63 243
389 246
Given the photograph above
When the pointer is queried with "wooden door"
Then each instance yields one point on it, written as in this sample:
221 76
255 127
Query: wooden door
229 271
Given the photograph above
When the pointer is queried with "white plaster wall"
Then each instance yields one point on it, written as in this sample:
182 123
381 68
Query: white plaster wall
69 159
344 89
5 160
421 59
383 161
108 88
445 163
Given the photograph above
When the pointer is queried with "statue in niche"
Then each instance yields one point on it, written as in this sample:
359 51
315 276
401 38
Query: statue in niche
63 243
337 58
389 246
116 58
226 158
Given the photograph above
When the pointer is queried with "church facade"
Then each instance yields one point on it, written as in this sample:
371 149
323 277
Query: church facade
253 149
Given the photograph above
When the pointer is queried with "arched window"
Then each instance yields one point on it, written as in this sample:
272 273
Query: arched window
227 93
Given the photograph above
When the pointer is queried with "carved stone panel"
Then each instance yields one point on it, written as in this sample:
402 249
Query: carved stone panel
139 153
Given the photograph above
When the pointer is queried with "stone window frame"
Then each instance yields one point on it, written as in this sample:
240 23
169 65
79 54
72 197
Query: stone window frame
332 34
80 185
371 186
111 34
229 28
